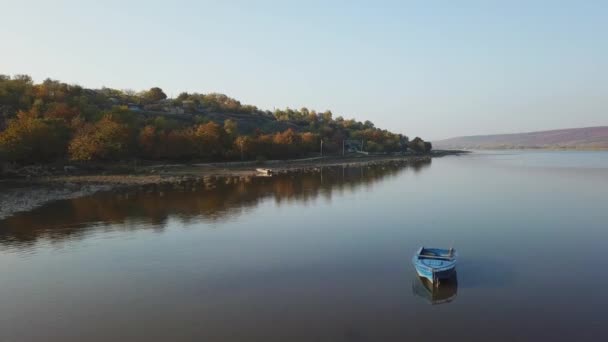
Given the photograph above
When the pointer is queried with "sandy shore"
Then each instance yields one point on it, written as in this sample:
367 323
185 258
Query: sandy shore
27 194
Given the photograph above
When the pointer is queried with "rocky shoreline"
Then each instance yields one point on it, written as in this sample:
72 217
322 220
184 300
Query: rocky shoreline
27 193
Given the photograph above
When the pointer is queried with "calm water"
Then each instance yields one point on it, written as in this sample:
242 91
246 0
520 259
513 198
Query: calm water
321 256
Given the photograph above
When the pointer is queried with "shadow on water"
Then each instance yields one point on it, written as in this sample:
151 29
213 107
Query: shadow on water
442 294
212 199
485 273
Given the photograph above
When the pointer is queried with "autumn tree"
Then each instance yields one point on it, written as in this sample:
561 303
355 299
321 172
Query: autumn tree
104 140
29 139
62 111
179 144
210 139
310 140
243 146
148 142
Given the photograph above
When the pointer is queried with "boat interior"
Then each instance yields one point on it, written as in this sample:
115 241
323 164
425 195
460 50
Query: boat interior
436 253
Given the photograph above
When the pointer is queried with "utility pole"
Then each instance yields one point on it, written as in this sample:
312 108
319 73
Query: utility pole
321 147
342 147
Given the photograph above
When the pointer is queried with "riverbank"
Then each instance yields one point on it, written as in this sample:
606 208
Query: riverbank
27 193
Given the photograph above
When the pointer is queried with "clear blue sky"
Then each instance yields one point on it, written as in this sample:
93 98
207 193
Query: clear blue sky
430 68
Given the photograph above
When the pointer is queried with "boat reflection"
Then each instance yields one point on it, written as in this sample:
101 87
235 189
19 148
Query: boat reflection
444 293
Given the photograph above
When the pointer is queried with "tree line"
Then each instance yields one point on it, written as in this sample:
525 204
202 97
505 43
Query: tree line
55 121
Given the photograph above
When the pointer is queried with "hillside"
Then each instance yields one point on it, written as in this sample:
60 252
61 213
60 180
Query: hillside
572 138
54 121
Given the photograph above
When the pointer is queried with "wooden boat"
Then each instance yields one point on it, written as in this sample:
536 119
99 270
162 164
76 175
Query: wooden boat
436 294
435 264
264 172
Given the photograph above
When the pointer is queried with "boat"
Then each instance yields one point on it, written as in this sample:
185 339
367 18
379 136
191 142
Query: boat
435 264
264 172
434 295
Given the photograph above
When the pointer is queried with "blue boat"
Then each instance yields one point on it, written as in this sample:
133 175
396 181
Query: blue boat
435 264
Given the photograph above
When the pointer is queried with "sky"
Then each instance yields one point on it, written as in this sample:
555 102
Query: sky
434 69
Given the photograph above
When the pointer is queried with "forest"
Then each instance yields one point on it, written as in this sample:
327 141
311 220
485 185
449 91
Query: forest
59 122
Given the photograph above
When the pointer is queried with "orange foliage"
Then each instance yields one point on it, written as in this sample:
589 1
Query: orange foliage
104 140
62 111
179 144
209 139
148 142
29 138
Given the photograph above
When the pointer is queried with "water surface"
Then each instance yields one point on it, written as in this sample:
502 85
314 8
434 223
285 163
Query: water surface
320 256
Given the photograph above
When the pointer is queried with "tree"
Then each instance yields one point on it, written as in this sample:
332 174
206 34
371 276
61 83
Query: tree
61 111
148 142
310 139
104 140
287 144
209 139
183 96
29 139
242 145
122 115
179 144
231 128
154 95
371 146
16 94
419 145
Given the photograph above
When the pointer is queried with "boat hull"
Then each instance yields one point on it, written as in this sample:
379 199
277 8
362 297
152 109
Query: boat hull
435 275
435 264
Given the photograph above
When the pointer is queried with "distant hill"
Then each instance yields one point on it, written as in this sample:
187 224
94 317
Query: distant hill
571 138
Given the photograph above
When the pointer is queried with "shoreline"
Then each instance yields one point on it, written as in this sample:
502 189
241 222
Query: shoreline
25 194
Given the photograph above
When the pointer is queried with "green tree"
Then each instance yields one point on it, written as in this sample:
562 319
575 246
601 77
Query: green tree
154 95
419 145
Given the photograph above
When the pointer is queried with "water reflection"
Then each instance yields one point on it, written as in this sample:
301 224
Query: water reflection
444 293
210 199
